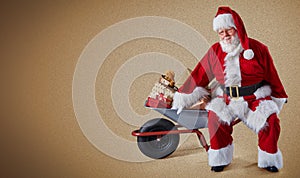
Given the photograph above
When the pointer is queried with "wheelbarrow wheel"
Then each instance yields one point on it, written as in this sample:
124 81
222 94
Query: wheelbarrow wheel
158 146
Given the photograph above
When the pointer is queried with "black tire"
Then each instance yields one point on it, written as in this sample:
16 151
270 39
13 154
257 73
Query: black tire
158 147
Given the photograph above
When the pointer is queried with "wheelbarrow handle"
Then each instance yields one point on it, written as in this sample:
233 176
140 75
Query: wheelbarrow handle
236 122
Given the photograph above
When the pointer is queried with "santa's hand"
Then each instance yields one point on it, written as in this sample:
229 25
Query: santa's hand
177 103
179 110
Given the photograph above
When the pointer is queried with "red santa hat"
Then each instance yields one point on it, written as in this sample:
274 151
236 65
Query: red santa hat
227 18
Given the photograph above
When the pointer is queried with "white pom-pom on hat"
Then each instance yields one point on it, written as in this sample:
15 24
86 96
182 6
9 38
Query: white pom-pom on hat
248 54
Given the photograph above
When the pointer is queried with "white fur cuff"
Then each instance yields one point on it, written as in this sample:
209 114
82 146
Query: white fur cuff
221 156
267 159
279 102
263 92
183 100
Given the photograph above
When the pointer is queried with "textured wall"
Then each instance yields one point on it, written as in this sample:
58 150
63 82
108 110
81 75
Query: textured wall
41 44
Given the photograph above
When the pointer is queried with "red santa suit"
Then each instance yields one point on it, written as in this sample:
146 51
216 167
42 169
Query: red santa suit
249 64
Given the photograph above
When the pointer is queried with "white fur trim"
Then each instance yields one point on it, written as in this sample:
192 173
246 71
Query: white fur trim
227 113
266 159
232 67
219 92
279 102
183 100
257 120
223 21
239 108
220 157
248 54
263 92
218 106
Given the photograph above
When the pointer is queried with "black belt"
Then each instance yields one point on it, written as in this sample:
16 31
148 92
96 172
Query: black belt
236 91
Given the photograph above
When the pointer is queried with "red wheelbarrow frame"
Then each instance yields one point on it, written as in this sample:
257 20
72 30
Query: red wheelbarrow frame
200 136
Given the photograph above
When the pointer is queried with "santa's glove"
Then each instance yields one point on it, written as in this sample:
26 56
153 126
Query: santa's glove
177 102
179 110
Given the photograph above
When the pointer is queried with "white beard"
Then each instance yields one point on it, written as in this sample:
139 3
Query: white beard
229 47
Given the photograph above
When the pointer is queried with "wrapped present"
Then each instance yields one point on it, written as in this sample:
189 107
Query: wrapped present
162 93
157 103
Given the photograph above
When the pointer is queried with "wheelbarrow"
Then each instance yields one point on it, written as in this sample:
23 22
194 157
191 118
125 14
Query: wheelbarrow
159 137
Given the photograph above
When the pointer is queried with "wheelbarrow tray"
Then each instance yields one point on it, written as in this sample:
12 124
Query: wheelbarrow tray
190 119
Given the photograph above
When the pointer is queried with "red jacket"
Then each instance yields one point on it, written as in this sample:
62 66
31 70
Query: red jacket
260 68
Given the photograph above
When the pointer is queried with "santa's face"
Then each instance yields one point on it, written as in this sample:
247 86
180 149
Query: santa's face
227 35
229 39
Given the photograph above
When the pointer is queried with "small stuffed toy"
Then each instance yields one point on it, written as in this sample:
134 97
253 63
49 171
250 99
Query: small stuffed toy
168 79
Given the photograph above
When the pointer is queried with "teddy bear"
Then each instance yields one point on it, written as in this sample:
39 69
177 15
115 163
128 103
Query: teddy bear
168 79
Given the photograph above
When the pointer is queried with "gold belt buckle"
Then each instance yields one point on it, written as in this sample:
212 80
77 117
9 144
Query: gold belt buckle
236 87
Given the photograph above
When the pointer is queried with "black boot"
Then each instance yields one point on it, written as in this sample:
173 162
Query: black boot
217 168
272 169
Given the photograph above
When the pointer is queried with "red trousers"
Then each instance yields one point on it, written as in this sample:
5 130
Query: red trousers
220 133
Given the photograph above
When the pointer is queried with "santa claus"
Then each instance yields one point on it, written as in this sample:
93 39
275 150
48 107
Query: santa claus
250 89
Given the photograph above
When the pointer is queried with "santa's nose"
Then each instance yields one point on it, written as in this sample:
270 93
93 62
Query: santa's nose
226 34
227 37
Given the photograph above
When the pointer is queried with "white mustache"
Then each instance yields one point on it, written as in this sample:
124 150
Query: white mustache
226 39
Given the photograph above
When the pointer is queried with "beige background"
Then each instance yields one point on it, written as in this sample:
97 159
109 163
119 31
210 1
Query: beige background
40 46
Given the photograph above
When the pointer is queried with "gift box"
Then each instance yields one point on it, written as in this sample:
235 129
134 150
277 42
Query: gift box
158 102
